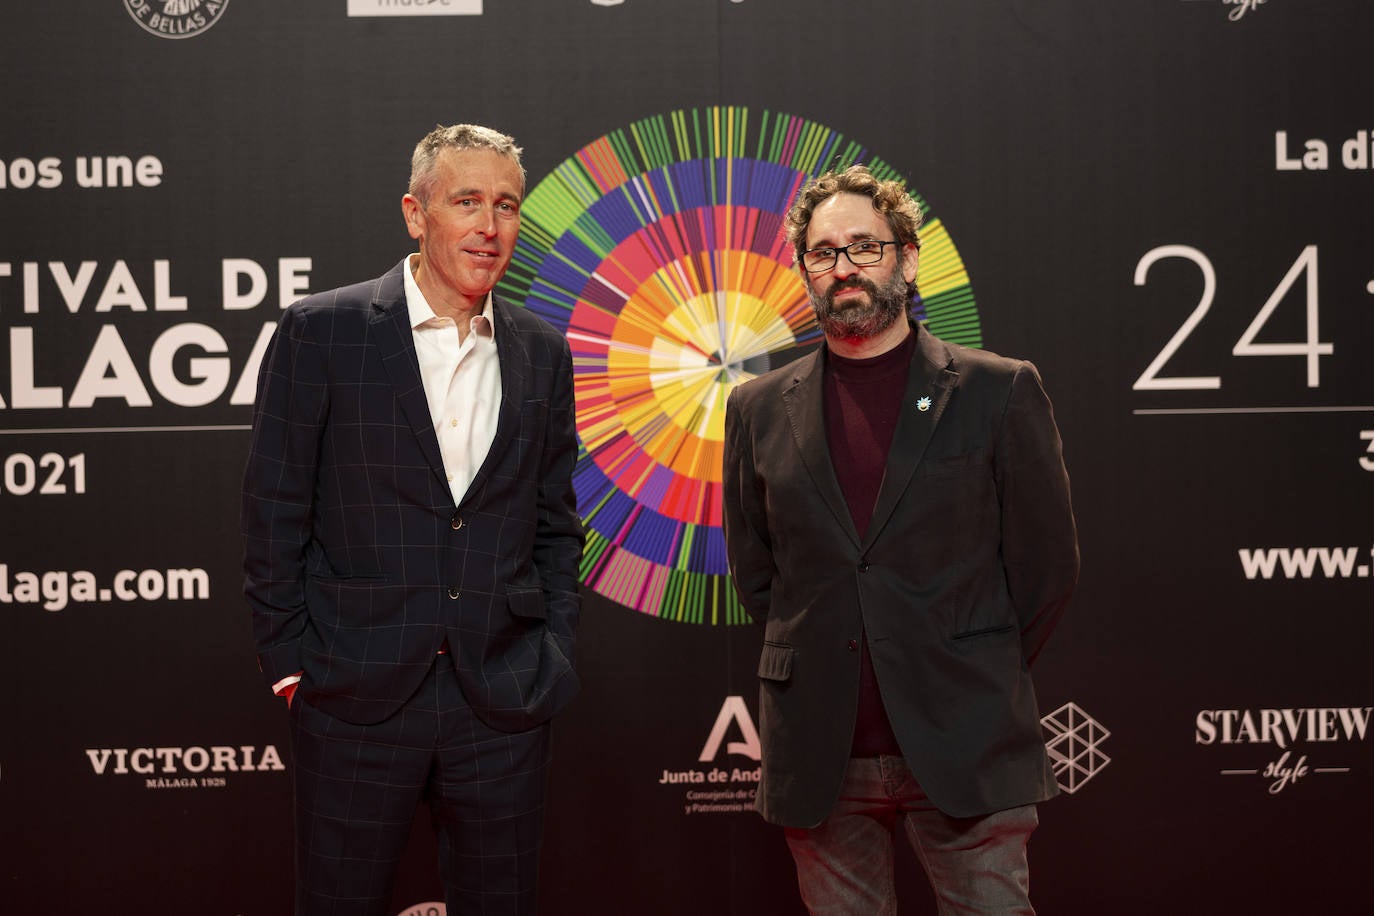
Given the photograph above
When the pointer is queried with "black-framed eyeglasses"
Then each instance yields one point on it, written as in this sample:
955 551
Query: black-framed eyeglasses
860 254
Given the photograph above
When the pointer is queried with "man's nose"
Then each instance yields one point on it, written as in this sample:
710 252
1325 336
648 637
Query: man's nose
844 267
486 224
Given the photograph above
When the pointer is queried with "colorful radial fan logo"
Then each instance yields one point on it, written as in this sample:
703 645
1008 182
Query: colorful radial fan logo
658 250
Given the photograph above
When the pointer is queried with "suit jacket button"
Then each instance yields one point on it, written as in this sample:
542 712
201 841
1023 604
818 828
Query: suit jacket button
863 567
456 522
853 645
453 591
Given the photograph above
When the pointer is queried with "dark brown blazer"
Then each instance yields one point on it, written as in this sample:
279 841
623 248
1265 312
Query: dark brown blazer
967 565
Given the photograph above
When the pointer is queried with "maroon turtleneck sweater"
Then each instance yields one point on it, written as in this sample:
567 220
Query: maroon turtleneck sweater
863 399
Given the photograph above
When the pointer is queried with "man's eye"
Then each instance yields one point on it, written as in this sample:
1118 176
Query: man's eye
865 247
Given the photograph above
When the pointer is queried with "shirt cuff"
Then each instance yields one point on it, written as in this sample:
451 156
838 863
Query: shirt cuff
285 682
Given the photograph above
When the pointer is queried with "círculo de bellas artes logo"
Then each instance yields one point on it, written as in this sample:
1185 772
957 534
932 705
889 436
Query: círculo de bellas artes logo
176 18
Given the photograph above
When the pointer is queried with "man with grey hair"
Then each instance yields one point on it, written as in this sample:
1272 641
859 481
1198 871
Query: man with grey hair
897 515
412 546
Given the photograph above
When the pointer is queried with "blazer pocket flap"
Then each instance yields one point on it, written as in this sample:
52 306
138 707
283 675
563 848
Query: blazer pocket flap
775 663
527 602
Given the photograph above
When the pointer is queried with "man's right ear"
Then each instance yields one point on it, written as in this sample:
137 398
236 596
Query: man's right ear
414 213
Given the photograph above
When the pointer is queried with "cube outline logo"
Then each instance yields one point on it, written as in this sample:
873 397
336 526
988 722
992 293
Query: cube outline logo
1074 740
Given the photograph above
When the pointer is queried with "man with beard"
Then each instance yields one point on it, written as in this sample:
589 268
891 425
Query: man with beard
897 514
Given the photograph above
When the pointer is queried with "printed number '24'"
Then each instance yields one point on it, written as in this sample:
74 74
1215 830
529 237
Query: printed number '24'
1306 264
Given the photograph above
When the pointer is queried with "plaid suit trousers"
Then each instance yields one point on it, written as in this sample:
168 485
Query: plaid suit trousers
357 788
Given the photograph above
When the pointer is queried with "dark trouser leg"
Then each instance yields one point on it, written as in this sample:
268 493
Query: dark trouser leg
356 788
487 801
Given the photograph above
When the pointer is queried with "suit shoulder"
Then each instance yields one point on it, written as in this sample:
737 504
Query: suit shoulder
354 298
972 361
982 375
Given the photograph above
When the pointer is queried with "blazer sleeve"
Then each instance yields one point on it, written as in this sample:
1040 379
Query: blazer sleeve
1039 538
278 490
748 547
559 534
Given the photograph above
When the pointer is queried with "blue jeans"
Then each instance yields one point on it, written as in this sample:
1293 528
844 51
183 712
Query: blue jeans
977 865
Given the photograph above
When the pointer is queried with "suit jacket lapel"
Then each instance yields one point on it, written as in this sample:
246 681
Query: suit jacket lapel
396 343
514 360
804 402
930 381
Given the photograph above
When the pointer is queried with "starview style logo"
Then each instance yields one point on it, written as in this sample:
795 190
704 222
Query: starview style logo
1291 735
1240 7
1235 9
176 18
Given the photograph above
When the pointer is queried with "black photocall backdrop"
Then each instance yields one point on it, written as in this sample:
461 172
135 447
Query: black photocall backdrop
1129 188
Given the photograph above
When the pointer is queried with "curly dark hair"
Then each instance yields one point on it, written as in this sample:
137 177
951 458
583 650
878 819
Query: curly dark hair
889 198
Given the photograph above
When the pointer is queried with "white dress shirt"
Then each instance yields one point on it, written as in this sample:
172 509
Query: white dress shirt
462 383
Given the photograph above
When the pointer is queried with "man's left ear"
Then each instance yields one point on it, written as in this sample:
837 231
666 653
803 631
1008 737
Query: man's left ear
910 260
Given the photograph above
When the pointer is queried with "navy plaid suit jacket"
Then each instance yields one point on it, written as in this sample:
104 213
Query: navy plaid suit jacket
358 565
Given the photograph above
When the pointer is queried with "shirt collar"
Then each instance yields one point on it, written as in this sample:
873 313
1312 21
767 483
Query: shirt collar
421 312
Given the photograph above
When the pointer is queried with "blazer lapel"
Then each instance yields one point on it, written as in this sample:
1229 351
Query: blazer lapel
391 323
514 359
803 400
929 383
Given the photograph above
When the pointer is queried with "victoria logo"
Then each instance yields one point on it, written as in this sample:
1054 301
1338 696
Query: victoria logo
176 18
184 767
1074 740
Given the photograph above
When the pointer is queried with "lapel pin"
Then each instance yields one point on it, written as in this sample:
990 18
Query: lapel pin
923 404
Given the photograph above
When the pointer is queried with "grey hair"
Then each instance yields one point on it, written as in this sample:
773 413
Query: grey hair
456 137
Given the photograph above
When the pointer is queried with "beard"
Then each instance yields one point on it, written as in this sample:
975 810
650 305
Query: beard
856 320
